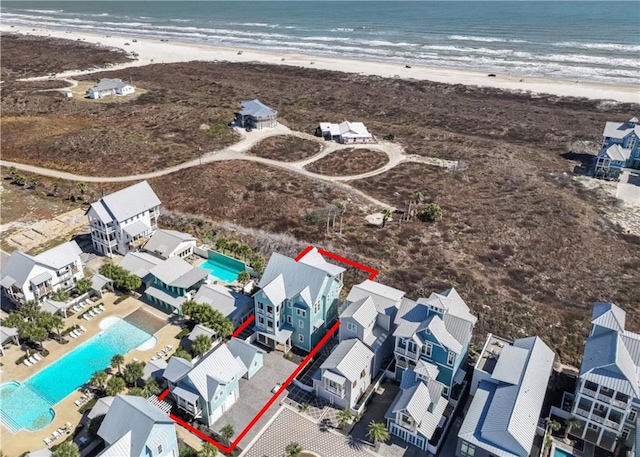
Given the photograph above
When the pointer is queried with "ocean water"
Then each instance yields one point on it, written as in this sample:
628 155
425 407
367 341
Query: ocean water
572 40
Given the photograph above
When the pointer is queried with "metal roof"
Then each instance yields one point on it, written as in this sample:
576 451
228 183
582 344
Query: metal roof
154 369
620 130
245 351
615 152
426 370
136 228
200 329
139 263
40 278
176 369
386 298
40 453
255 108
349 359
99 282
362 311
171 299
510 365
166 242
609 316
334 377
52 306
225 300
107 84
177 272
315 259
216 368
101 407
188 395
60 256
126 203
503 417
129 414
7 333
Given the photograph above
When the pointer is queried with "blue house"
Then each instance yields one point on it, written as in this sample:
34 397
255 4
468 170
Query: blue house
134 427
209 388
436 330
620 148
297 301
249 355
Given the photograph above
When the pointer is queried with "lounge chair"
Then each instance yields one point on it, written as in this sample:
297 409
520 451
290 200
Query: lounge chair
101 307
47 441
169 347
75 308
32 359
37 356
153 358
55 435
97 310
78 403
27 363
160 353
86 316
83 329
73 334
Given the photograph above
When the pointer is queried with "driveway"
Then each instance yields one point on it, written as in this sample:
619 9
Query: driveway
254 394
629 188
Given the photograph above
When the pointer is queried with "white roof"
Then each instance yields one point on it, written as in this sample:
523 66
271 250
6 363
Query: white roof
101 407
386 298
53 306
315 259
178 272
165 242
106 84
225 300
346 129
615 152
362 311
126 203
217 367
139 263
620 130
349 359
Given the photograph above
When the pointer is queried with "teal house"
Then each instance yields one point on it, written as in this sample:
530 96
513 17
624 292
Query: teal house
297 301
174 281
435 331
620 148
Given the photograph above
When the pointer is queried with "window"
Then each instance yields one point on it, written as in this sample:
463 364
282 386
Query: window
301 312
261 320
269 323
632 415
445 391
260 305
451 358
159 448
300 323
426 349
316 307
625 434
301 338
406 419
467 450
351 327
632 142
288 319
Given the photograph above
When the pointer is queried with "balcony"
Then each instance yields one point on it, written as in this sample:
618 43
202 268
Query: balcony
413 355
619 404
589 392
582 412
44 290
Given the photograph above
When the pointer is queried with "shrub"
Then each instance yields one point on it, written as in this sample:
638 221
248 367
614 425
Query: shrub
430 213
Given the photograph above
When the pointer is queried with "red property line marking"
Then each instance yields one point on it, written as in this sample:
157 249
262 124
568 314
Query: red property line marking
244 325
372 272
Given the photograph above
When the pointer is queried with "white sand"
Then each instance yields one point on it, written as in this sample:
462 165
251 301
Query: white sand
155 51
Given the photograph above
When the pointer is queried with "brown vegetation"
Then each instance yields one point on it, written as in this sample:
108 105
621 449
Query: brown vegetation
349 162
286 149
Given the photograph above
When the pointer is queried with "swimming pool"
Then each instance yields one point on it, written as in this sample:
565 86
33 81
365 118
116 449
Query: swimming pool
557 452
29 404
224 268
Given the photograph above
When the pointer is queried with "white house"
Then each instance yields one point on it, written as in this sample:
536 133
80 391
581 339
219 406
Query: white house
170 243
345 132
108 86
124 220
26 277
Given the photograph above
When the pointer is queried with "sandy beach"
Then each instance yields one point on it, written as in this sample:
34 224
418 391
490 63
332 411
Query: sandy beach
155 51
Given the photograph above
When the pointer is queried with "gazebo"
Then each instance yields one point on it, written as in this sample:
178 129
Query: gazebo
8 334
53 307
100 283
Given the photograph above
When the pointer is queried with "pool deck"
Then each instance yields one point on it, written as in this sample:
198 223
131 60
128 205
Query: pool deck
66 411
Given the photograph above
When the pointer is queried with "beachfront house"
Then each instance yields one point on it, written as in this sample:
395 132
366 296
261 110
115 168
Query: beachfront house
170 243
254 114
417 413
346 132
505 411
174 282
134 427
26 277
620 148
297 301
236 306
436 330
345 375
249 355
210 387
110 86
124 220
369 316
607 398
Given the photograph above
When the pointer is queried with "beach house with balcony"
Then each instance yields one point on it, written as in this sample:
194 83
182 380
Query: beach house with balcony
436 330
134 427
170 243
607 398
369 316
110 86
345 375
124 220
26 277
254 114
297 301
505 411
346 132
209 388
620 148
174 282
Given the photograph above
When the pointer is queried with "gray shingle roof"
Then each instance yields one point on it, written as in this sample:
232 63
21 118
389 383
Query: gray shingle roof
257 109
178 273
386 298
176 369
126 203
349 359
503 417
217 367
107 84
362 311
139 263
165 242
134 415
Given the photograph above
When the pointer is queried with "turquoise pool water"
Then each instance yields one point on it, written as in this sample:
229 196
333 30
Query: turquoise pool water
223 268
29 404
560 453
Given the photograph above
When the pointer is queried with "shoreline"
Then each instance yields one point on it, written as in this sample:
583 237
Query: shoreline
153 51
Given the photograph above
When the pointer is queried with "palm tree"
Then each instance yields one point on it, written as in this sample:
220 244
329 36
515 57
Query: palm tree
117 361
201 344
292 450
137 392
244 278
227 433
83 285
341 205
31 310
66 449
569 425
552 426
344 417
233 248
56 322
151 387
208 450
221 244
132 372
244 251
115 385
82 188
377 431
386 214
98 380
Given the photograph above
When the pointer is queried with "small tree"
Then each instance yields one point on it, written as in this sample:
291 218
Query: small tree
66 449
180 352
83 286
552 426
257 262
82 188
54 321
208 450
151 387
60 295
244 251
54 191
98 380
227 433
201 345
138 392
293 450
386 214
221 244
117 361
233 247
33 183
569 425
132 372
377 431
115 385
430 213
344 417
244 278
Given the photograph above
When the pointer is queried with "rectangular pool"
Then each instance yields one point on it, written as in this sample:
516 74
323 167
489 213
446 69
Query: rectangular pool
29 404
224 268
560 453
